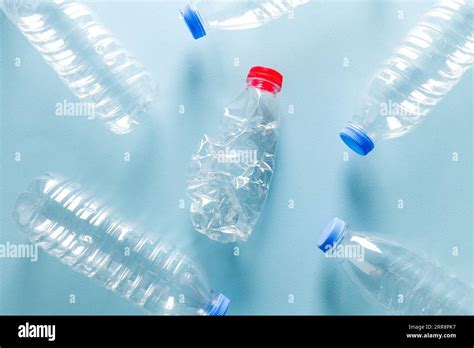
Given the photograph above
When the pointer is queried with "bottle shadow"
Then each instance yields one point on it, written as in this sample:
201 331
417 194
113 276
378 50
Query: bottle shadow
202 82
361 194
328 286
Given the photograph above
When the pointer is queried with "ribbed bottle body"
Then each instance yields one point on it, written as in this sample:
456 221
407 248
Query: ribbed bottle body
72 225
430 62
88 58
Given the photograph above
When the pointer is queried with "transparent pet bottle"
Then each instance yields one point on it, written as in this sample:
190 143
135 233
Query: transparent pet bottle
431 61
88 58
201 16
399 279
231 172
72 225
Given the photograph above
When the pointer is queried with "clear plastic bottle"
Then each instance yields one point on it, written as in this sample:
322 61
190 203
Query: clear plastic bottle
85 55
231 173
72 225
202 16
401 280
431 61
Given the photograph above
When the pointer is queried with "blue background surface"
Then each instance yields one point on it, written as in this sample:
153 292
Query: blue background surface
281 259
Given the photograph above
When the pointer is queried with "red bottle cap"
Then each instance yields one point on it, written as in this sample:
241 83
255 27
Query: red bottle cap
265 79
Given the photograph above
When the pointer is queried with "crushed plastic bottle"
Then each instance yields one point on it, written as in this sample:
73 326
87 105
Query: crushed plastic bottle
432 60
401 280
231 172
72 225
88 58
201 16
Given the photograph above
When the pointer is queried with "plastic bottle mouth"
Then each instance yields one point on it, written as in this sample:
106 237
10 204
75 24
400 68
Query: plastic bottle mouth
265 79
218 306
357 138
193 20
331 234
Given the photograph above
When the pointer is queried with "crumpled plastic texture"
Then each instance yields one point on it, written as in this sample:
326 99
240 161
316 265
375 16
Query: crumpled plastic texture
231 172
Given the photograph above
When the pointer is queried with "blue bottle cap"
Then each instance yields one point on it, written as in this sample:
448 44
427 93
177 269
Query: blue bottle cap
331 234
357 139
218 306
193 20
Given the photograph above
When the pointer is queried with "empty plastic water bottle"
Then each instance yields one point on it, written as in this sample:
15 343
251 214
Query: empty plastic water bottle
72 225
204 15
85 55
232 171
430 62
399 279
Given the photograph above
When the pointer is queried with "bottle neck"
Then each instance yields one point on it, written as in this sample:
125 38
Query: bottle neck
349 247
263 85
342 239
